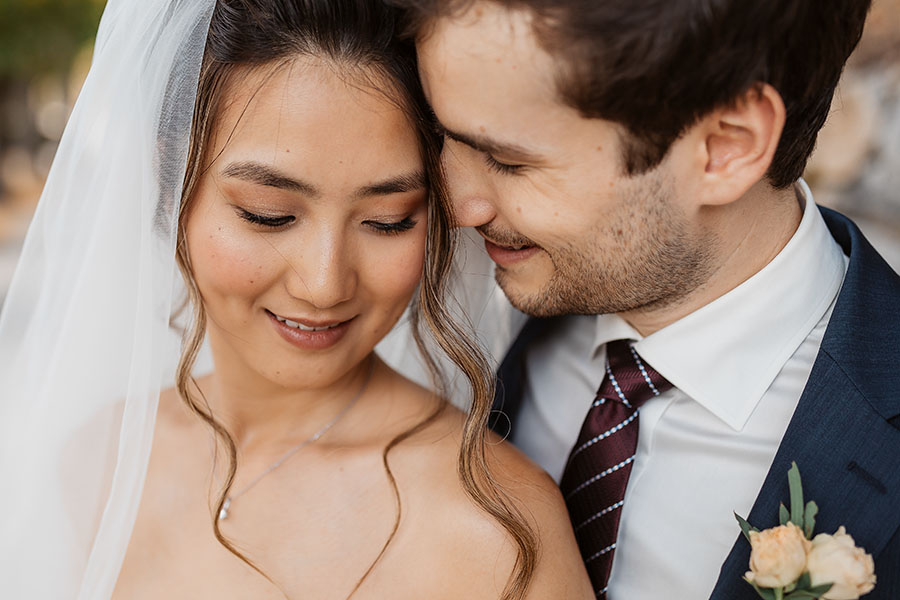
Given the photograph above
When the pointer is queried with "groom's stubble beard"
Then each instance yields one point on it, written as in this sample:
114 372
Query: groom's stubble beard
641 258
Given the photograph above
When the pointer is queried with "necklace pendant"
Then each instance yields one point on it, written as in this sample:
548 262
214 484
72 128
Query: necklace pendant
223 514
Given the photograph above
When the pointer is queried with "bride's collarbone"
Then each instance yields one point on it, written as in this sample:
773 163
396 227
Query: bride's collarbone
324 518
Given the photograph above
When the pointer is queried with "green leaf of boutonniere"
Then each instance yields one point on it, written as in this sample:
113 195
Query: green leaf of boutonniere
821 590
810 593
809 519
805 594
764 593
796 488
746 527
783 515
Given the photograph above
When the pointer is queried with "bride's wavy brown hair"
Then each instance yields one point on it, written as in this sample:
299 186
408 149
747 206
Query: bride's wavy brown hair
358 38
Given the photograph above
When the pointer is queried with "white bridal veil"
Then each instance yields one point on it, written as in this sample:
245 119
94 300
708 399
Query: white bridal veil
85 342
85 337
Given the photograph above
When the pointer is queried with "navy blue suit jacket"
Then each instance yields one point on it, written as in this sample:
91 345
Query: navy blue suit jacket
845 432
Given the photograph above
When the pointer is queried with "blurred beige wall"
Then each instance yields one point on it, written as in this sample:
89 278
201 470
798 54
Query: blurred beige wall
856 165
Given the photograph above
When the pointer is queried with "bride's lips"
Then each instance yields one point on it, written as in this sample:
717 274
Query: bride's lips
506 256
309 335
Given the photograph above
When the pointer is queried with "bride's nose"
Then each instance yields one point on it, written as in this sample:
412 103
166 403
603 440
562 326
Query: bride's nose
322 271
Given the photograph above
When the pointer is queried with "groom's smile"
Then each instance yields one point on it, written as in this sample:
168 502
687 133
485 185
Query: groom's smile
506 249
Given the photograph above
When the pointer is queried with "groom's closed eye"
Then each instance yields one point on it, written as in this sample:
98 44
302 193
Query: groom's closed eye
514 156
502 167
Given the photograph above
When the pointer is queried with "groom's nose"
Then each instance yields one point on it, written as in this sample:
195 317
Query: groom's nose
472 194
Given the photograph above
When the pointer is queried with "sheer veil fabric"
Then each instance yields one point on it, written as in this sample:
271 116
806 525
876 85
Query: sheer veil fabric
85 341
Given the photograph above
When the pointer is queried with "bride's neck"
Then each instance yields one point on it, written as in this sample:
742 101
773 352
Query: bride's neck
260 413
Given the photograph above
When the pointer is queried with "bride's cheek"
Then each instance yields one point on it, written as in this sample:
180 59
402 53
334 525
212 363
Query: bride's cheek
230 263
399 272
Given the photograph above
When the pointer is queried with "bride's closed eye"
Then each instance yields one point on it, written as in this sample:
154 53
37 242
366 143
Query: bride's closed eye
392 228
281 221
272 222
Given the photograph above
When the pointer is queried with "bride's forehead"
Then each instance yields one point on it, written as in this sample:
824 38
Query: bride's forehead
309 99
296 87
314 122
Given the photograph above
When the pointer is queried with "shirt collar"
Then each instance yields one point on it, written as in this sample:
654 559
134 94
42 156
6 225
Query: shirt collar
726 354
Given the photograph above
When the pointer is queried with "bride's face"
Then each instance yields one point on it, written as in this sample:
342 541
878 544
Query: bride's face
307 233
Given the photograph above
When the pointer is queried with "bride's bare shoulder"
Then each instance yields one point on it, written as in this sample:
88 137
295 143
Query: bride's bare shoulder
173 411
474 545
560 572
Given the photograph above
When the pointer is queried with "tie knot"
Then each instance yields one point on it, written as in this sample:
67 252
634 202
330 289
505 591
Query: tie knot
629 379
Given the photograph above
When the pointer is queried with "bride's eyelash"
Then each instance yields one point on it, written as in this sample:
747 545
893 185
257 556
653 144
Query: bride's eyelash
502 168
392 228
272 222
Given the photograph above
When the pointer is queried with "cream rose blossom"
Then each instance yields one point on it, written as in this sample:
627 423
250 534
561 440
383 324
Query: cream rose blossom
836 559
777 556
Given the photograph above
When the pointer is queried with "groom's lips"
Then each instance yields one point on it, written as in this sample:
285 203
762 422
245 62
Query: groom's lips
506 256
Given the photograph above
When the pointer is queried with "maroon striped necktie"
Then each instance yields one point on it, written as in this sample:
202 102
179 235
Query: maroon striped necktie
595 477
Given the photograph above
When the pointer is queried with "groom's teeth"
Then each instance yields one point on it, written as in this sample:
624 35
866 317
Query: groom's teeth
301 326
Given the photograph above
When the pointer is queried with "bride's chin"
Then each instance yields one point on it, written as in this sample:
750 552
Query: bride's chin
265 362
314 372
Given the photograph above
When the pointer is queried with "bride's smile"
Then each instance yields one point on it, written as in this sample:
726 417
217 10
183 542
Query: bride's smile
305 325
312 337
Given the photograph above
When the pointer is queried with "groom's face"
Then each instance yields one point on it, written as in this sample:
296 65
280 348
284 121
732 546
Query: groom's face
568 230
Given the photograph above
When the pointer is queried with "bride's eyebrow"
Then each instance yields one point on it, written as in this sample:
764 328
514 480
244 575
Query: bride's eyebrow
261 174
400 184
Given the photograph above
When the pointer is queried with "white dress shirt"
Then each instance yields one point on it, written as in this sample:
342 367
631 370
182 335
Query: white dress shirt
739 366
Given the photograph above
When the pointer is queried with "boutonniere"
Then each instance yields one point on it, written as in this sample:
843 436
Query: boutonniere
788 562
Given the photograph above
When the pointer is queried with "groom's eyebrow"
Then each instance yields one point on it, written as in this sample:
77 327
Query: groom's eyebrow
487 145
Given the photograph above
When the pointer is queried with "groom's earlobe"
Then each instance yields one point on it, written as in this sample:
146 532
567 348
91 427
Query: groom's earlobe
739 142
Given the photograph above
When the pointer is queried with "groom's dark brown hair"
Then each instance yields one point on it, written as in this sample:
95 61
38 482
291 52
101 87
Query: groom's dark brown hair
656 66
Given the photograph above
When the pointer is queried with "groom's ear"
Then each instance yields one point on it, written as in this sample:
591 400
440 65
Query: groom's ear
734 145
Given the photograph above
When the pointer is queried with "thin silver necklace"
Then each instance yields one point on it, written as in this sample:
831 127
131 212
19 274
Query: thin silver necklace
223 513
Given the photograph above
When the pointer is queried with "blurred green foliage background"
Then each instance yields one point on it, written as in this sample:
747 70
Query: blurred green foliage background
43 36
45 52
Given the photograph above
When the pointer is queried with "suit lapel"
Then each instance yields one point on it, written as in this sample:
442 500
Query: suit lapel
840 434
511 377
841 446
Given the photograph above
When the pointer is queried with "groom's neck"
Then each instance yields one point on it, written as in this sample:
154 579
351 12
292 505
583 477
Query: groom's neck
749 233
